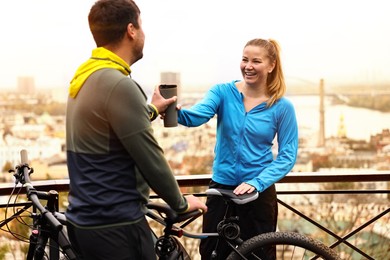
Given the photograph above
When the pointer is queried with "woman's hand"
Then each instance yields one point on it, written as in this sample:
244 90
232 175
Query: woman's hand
162 115
244 188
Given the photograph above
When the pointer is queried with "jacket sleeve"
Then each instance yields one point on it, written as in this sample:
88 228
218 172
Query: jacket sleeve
129 117
203 111
287 137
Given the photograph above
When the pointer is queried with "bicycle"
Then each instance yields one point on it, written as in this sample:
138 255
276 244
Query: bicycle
48 238
49 225
289 245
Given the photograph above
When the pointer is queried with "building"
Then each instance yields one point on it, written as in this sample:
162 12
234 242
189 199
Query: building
26 85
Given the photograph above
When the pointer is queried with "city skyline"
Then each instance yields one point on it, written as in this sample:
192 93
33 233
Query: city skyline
342 42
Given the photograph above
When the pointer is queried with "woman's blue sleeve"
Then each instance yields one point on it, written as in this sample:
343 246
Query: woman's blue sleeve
202 111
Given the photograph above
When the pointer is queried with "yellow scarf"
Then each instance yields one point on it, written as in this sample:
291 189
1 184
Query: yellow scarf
101 59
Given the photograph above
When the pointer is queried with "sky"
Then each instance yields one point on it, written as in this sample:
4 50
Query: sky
343 42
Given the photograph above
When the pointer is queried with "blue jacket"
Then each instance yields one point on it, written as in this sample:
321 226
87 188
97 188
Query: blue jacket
243 150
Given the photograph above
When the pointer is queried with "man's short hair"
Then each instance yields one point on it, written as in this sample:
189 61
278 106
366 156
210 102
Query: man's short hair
108 20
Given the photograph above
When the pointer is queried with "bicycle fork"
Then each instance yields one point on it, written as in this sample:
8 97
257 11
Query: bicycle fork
38 240
33 242
41 230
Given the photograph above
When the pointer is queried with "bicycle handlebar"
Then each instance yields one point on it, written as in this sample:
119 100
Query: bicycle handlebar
32 193
172 216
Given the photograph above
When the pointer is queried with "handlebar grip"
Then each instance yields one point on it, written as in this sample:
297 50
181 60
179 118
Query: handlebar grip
23 156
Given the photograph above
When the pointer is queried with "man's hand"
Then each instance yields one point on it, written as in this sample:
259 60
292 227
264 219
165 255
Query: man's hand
195 203
160 102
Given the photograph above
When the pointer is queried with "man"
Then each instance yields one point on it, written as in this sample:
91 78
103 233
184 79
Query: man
113 157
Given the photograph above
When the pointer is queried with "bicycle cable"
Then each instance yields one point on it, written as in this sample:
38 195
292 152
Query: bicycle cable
16 216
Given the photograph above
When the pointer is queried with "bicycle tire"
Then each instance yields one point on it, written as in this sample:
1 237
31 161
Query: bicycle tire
288 244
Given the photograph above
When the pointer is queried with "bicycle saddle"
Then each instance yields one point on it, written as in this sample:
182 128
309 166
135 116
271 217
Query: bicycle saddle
238 199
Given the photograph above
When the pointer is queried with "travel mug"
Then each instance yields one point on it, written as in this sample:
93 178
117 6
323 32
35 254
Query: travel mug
170 118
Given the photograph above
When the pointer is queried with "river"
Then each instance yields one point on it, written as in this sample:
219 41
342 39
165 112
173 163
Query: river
359 123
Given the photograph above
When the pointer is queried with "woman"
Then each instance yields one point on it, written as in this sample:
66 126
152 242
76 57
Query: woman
250 114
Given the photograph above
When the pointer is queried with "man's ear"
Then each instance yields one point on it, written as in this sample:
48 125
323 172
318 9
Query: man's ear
131 31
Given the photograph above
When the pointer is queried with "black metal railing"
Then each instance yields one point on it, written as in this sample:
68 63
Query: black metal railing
297 178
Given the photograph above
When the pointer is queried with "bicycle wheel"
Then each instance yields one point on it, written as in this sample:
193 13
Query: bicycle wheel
289 245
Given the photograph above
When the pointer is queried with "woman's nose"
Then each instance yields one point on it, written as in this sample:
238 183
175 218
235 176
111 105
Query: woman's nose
249 66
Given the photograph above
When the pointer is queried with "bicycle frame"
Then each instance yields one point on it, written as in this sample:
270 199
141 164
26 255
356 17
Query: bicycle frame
168 248
175 225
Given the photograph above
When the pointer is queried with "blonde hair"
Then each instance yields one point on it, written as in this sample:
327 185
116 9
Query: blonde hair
276 86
